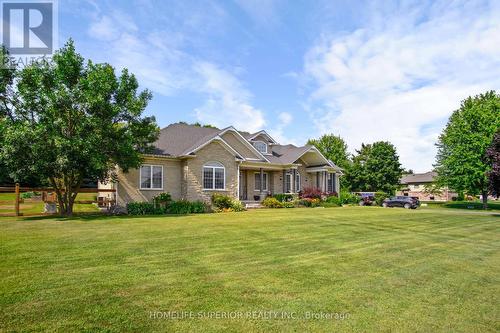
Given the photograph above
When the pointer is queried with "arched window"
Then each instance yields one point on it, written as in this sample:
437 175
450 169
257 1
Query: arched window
214 176
261 146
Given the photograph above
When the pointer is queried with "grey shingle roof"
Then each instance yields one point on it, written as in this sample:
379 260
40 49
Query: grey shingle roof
427 177
180 139
286 154
177 139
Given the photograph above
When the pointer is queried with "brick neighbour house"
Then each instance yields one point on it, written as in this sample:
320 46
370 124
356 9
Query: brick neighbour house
417 185
192 163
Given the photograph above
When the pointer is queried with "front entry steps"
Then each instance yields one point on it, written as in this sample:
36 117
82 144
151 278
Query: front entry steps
252 204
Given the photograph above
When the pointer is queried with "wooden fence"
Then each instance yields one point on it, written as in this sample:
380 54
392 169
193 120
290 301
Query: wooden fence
48 195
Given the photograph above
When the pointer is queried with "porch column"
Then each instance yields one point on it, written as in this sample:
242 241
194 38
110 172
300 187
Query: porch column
284 182
246 184
294 178
325 181
261 187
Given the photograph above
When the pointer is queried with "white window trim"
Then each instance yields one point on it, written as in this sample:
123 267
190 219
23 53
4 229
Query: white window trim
266 182
265 144
213 176
151 172
298 187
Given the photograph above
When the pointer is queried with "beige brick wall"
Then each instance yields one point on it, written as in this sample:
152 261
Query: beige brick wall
306 179
128 189
213 152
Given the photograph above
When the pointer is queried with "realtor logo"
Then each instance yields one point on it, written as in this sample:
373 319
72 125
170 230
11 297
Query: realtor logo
29 27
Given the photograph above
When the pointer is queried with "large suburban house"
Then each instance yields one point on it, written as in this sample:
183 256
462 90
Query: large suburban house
419 184
192 162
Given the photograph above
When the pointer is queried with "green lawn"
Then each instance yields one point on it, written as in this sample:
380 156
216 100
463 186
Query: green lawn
474 205
29 207
385 270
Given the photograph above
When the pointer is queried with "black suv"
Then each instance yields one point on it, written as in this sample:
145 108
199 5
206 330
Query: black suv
405 202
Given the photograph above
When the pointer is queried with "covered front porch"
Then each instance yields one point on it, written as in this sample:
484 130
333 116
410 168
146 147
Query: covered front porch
257 182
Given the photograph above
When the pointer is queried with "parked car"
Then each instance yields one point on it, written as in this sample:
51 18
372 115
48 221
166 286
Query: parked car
366 198
405 202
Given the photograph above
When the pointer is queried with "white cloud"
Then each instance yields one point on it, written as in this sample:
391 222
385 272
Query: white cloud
401 76
278 131
160 62
153 57
228 102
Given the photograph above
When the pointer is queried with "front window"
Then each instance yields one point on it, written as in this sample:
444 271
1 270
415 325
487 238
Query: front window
297 182
257 181
261 146
331 182
214 176
151 177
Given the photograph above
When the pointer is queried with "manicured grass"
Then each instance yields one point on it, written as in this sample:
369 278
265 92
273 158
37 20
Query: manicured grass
30 207
390 270
475 205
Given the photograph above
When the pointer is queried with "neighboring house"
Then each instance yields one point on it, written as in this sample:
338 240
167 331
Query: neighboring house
419 185
192 163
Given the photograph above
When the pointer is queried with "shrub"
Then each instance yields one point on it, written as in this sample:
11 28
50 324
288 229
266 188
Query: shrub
186 207
238 206
310 202
284 197
380 197
333 200
221 201
163 198
327 204
198 207
224 203
271 202
347 198
144 208
28 195
288 204
311 193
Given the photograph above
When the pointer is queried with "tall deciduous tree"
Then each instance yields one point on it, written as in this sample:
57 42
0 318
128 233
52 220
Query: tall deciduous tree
332 147
462 163
493 154
375 167
70 119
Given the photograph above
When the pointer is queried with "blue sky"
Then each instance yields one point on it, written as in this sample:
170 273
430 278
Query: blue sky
364 70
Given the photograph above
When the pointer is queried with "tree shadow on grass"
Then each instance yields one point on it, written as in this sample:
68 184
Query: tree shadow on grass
99 217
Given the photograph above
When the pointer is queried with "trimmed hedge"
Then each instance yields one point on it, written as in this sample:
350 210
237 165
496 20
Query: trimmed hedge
186 207
175 207
144 208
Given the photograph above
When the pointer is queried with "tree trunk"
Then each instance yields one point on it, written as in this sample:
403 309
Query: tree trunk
485 199
67 195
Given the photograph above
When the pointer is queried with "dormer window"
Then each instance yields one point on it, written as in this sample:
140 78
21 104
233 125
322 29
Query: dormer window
261 146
